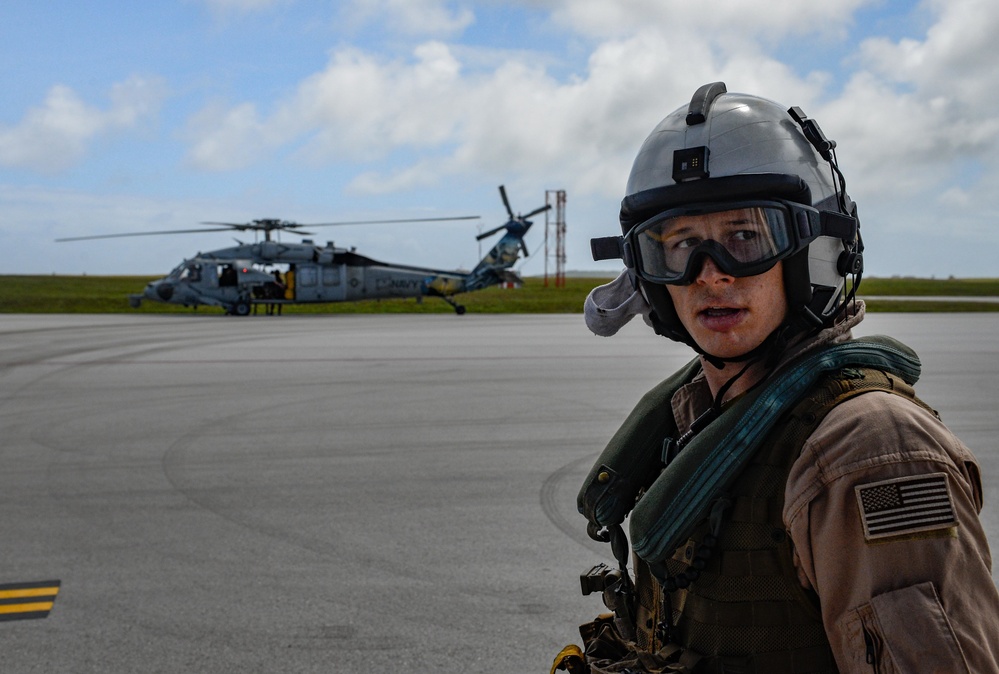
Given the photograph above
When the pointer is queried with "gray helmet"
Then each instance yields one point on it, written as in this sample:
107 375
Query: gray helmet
726 149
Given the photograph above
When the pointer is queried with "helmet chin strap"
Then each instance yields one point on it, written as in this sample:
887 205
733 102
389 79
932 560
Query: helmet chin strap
768 352
770 349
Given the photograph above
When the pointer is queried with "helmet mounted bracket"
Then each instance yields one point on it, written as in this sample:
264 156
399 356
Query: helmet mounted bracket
700 102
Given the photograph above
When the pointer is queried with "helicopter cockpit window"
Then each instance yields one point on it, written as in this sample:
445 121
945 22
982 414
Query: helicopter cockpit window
191 272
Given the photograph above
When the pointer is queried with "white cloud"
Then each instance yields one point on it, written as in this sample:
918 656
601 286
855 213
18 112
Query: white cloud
698 24
57 135
952 57
515 117
908 113
915 115
365 107
226 139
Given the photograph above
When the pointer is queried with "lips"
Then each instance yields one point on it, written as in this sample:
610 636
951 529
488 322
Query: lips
720 319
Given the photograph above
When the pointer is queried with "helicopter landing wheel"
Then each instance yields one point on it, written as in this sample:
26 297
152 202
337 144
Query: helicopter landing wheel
240 308
458 308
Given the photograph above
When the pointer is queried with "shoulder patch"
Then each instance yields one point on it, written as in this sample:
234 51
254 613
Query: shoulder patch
905 505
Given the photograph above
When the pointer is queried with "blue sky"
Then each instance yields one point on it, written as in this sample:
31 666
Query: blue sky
124 117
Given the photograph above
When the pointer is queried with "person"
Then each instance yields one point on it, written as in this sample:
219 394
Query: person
792 504
228 276
275 290
289 283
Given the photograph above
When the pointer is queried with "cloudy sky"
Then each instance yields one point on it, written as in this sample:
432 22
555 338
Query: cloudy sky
139 116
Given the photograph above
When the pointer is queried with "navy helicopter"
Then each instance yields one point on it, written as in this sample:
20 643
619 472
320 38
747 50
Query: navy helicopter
276 273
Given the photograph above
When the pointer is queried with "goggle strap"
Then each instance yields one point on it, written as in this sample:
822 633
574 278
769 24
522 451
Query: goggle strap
638 207
607 248
839 225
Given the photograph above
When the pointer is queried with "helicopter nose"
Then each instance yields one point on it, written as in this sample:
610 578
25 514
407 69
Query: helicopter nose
164 291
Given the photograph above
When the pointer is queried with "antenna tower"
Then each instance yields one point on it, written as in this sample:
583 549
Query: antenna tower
555 235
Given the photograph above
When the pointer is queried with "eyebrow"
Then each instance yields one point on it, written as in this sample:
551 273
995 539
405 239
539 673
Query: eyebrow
743 221
733 222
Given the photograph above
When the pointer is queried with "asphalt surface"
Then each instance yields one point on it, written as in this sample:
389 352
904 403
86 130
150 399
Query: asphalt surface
342 493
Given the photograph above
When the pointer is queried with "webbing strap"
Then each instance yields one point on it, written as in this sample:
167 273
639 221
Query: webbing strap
683 493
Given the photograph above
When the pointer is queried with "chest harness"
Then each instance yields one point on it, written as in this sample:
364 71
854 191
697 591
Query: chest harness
726 594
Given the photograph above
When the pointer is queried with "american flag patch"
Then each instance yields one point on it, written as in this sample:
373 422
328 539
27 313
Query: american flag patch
905 505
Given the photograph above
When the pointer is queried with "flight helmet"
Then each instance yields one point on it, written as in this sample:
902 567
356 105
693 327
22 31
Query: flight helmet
736 152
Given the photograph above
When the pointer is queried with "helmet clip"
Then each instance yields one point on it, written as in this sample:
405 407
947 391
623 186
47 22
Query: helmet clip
813 133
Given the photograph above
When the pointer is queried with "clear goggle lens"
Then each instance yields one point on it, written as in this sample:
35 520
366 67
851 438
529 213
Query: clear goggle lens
743 241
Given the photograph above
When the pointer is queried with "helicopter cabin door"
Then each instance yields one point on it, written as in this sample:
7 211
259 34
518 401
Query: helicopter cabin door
318 283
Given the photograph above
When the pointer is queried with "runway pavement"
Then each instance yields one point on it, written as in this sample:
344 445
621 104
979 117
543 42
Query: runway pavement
339 493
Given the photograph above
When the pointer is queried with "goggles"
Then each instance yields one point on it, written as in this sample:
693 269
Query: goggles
743 239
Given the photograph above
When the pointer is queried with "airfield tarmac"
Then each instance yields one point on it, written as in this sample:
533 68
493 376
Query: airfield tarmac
340 493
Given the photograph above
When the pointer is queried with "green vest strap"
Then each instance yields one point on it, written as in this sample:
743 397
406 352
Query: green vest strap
681 495
632 458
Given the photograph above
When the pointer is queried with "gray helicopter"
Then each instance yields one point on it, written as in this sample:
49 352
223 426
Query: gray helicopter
276 273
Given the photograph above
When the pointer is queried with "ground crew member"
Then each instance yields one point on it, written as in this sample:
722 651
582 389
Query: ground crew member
792 505
289 283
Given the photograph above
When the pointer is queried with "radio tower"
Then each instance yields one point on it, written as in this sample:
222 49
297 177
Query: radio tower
555 220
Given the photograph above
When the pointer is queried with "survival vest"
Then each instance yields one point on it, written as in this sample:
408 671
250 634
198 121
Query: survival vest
745 610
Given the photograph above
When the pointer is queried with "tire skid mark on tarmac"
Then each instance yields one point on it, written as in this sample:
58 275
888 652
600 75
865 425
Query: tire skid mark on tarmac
357 552
55 353
61 370
111 607
550 497
343 549
174 460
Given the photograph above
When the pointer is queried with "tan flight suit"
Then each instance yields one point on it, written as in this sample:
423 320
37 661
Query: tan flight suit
898 591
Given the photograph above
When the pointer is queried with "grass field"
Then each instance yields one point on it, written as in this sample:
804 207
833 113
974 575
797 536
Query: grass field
108 294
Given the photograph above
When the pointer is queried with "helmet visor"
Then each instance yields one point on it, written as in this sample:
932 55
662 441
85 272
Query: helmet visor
742 239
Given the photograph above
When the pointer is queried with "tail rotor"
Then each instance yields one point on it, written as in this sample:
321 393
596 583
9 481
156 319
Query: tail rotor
517 224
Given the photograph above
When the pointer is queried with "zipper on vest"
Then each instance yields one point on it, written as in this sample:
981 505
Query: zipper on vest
872 650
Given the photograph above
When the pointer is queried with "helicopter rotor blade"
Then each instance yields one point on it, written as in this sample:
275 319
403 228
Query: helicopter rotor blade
261 225
166 231
489 233
536 211
506 202
388 222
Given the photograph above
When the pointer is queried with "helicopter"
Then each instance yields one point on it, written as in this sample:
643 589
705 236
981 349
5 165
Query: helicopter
239 278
